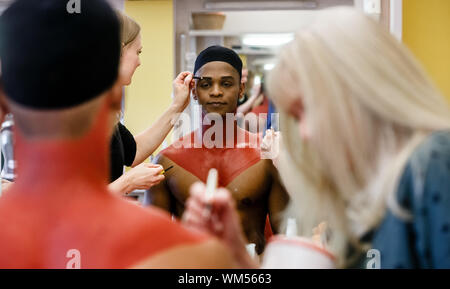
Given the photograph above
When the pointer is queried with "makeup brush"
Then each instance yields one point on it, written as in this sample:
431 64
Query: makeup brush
201 78
165 170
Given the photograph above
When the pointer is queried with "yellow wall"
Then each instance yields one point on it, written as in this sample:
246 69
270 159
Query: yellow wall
149 94
426 30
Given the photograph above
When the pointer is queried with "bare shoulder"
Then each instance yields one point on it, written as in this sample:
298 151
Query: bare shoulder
264 166
210 254
270 168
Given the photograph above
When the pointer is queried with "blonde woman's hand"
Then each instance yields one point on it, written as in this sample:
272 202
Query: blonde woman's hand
182 86
143 176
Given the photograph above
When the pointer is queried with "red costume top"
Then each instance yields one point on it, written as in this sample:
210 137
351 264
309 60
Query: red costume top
229 162
60 202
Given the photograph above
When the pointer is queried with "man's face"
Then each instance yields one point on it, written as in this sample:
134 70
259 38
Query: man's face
219 88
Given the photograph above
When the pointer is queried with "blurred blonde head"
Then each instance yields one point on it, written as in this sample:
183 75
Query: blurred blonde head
354 104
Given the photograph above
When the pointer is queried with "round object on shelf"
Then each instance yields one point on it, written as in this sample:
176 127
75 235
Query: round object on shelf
208 20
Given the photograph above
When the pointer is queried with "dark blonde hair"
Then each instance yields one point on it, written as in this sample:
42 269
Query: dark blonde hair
129 29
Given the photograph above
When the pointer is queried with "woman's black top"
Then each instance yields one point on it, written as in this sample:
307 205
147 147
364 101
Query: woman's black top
123 151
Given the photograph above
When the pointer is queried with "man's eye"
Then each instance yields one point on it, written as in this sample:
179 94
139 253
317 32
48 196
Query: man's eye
204 85
227 84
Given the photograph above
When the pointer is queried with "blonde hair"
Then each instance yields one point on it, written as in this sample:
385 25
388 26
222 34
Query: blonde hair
129 29
367 105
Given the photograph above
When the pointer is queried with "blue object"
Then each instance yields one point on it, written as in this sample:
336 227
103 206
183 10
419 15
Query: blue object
424 189
271 110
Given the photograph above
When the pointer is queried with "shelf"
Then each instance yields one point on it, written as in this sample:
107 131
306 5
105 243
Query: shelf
217 33
254 52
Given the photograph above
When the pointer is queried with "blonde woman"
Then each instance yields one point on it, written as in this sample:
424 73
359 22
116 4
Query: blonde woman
127 150
367 147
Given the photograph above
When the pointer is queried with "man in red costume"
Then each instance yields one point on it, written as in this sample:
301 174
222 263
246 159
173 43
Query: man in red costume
232 151
58 71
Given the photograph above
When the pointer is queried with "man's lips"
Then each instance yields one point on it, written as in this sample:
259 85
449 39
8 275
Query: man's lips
216 103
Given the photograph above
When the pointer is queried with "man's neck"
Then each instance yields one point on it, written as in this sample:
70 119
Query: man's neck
60 163
224 133
44 165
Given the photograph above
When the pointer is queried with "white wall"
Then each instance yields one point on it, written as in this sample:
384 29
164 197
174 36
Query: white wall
276 21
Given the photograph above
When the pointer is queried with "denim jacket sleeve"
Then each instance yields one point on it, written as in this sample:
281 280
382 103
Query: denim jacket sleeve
424 190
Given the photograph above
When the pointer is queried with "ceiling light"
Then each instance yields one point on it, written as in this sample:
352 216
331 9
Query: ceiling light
267 39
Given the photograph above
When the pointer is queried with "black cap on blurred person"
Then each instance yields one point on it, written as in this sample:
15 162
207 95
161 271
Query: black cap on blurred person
54 59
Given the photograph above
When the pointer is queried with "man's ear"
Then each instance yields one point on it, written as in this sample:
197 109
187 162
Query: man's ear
4 107
241 90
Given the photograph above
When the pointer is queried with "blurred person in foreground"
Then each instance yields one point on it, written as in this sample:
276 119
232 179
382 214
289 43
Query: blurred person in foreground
60 206
367 147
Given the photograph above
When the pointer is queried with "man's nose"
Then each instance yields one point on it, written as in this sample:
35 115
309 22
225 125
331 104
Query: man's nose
216 91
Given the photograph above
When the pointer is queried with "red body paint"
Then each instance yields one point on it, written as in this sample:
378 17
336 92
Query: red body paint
229 162
60 202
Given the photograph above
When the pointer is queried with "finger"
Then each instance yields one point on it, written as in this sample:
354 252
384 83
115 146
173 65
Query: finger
182 75
185 218
201 197
156 170
217 224
188 218
154 166
194 207
197 190
192 220
154 181
197 216
180 78
188 79
157 179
